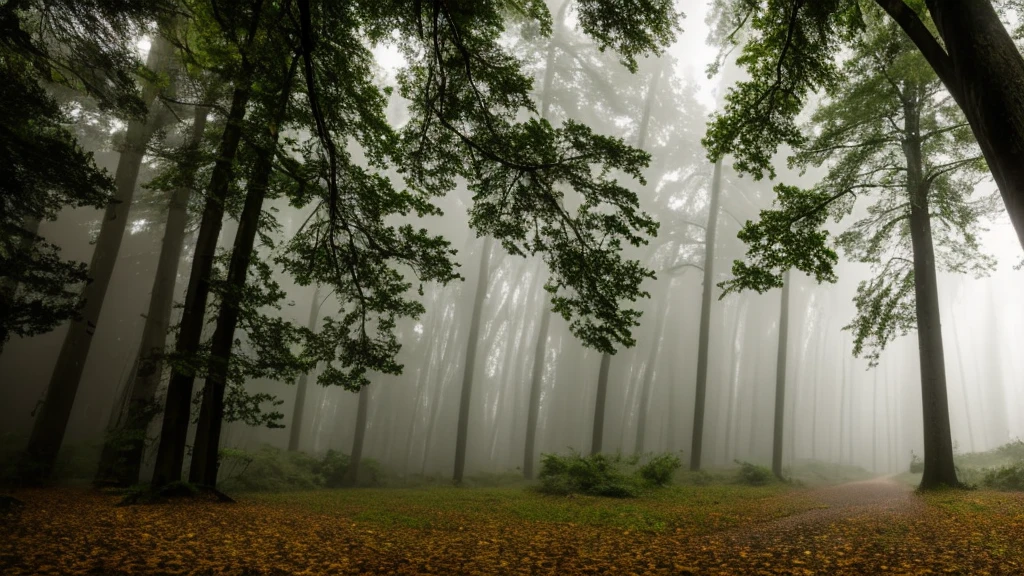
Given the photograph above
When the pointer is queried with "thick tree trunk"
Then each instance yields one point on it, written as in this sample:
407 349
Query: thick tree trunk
938 445
295 434
211 415
52 419
469 364
697 439
780 378
122 455
981 67
597 435
174 429
356 457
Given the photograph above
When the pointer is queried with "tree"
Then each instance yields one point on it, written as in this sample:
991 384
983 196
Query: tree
52 417
87 47
887 131
295 434
780 379
792 50
703 342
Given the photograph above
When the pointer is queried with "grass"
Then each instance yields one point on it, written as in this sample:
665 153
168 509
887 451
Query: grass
695 509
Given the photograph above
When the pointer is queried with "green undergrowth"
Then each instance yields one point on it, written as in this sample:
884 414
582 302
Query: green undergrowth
694 508
1001 468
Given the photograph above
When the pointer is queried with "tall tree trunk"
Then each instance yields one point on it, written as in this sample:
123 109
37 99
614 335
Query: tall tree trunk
356 457
52 419
540 351
123 451
980 65
597 435
780 378
732 403
938 445
469 365
211 415
295 434
648 377
697 442
174 429
963 381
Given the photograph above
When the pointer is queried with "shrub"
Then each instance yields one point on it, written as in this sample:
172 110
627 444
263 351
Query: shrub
1009 477
660 469
596 475
271 469
753 475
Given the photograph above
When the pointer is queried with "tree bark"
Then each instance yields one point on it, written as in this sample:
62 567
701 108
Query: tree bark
697 439
52 419
469 365
597 435
938 446
122 455
174 429
780 378
356 457
211 415
295 434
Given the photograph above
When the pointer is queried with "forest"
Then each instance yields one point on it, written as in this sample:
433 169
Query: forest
511 287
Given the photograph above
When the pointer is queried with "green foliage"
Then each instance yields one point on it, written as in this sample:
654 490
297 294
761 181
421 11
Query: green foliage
916 464
1010 478
660 469
273 470
613 476
753 474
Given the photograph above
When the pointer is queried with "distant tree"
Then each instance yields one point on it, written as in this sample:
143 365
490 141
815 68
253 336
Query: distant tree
780 378
888 131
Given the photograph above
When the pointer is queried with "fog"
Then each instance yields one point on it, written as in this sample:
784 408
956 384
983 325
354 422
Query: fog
838 408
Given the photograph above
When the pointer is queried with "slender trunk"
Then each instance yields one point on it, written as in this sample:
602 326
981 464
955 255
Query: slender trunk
470 362
597 436
352 473
963 380
780 378
174 429
938 445
874 424
52 419
697 442
295 433
123 452
732 403
211 415
648 377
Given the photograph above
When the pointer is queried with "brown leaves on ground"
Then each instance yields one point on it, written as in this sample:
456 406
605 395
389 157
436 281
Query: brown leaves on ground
864 528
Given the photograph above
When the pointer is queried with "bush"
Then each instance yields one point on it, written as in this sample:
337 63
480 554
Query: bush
613 476
273 470
1009 477
660 469
753 475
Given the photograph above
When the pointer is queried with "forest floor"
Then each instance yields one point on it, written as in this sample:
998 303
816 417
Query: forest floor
871 527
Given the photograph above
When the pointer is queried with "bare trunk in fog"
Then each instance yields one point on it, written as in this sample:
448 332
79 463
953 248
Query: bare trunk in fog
123 451
469 364
648 378
295 434
174 429
211 415
356 457
52 418
697 442
732 404
963 380
597 435
780 378
938 445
